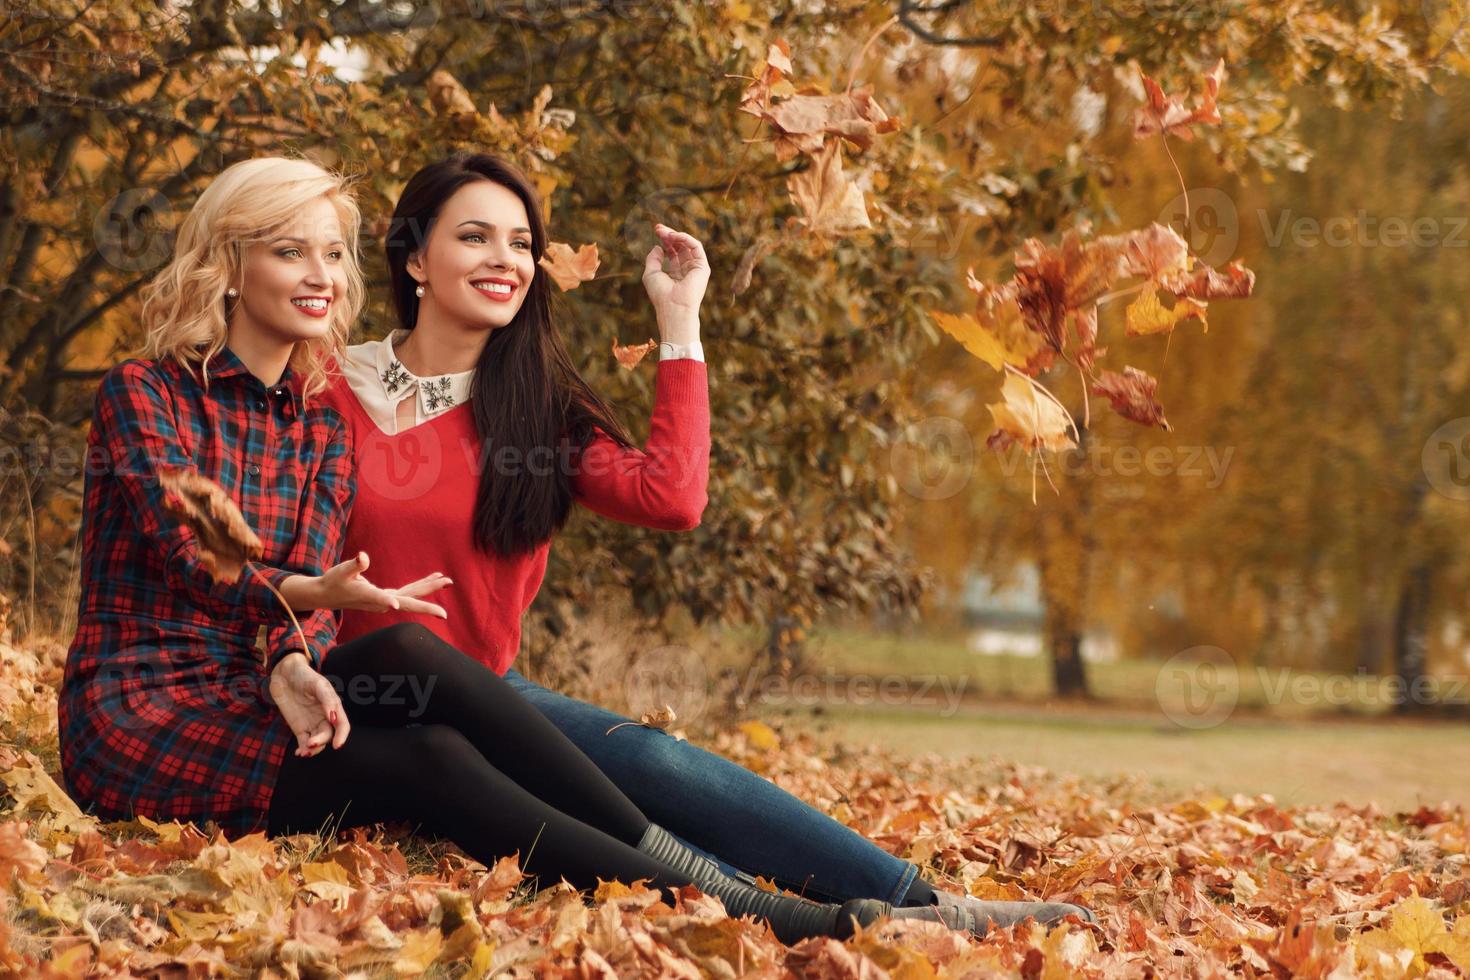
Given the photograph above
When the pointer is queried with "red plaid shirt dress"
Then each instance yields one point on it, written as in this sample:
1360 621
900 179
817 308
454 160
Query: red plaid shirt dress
165 708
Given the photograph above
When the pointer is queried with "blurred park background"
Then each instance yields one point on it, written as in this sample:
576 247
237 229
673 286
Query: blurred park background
1268 597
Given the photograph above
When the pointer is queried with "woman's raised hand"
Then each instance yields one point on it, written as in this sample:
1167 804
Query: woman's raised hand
344 586
677 291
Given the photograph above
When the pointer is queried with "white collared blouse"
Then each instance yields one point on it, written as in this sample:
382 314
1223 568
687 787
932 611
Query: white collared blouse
381 382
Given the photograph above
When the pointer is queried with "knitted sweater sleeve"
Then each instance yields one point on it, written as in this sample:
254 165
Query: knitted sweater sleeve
665 484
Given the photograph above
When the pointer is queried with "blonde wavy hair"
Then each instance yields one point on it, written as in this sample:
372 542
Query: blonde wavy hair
184 305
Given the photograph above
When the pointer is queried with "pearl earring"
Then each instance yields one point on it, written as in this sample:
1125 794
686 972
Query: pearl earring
419 290
232 292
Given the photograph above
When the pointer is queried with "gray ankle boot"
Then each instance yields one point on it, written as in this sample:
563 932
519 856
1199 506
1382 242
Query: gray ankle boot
1006 914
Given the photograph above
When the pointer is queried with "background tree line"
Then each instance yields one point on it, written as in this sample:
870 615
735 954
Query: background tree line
1015 122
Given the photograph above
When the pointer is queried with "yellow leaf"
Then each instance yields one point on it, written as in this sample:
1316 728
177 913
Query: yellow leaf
976 339
1415 927
990 890
1456 945
420 949
761 735
313 871
1146 315
1067 950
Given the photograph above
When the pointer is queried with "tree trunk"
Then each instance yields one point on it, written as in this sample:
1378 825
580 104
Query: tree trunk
1065 560
1064 637
1411 641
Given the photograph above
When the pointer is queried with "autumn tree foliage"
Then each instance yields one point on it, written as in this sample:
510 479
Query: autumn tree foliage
844 184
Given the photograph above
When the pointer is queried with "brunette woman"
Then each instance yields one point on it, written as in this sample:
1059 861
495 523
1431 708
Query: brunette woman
475 434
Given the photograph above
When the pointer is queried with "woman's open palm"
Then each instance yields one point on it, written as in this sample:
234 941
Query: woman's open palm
345 587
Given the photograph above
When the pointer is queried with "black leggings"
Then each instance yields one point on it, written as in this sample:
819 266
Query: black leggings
440 740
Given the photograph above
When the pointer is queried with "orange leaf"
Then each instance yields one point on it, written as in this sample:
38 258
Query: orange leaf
570 269
629 356
1167 114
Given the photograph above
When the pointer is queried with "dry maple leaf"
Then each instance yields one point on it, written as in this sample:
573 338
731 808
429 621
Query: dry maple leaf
979 340
1029 418
570 269
771 79
628 356
1167 114
18 854
1146 315
225 539
830 204
759 249
1153 251
449 97
1061 284
803 122
1132 395
997 310
661 719
1233 282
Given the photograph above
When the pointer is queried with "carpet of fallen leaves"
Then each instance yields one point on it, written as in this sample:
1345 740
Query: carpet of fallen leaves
1204 886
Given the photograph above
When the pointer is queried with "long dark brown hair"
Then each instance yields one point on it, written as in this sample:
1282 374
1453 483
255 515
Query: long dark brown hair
526 393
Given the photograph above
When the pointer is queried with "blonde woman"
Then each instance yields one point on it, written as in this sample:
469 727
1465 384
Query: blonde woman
166 708
160 709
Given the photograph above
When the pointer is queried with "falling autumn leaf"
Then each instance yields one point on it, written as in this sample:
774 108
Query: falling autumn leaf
759 249
771 79
1233 282
570 269
1167 114
830 204
1146 315
1152 251
1030 419
1132 395
804 123
976 339
808 120
628 356
225 539
1061 285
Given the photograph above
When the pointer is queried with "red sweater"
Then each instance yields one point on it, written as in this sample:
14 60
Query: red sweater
416 498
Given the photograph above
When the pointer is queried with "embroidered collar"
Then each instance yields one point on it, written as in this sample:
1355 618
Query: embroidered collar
435 394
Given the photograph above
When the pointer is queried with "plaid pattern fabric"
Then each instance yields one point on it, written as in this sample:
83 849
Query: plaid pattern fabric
164 707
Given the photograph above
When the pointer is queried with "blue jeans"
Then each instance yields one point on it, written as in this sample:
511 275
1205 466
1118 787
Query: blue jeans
730 813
